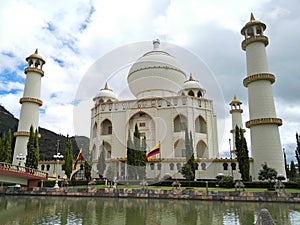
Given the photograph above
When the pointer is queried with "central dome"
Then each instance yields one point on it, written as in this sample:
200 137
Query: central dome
156 74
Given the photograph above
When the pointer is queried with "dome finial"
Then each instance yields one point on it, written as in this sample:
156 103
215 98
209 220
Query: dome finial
156 43
106 86
191 77
252 17
36 51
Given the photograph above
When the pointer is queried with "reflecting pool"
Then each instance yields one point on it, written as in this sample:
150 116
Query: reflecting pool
16 210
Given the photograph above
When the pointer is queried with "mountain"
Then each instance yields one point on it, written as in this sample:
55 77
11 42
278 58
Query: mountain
48 141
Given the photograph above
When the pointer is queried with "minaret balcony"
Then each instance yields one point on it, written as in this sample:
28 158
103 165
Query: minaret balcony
249 40
261 121
32 100
260 76
35 70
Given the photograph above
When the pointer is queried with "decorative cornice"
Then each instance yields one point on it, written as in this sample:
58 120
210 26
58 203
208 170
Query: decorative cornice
233 131
252 39
262 121
32 100
22 133
35 70
236 110
260 76
156 67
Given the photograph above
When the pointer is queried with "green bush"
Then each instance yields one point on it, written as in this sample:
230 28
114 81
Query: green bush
226 181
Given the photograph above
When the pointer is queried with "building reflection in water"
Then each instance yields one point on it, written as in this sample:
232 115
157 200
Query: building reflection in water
114 211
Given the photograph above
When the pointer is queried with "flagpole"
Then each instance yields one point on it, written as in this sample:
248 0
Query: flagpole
159 150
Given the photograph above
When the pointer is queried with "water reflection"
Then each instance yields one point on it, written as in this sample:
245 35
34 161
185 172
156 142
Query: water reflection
114 211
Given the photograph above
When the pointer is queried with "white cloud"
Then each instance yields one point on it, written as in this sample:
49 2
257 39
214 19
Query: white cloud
71 35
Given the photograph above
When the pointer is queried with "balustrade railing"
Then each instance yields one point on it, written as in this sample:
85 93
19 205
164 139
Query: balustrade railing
21 169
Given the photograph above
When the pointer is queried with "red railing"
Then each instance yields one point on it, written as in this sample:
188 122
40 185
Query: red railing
22 171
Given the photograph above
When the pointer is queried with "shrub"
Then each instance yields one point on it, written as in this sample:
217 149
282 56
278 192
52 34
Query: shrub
226 181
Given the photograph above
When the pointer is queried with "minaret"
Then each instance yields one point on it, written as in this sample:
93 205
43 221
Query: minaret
30 104
263 123
236 118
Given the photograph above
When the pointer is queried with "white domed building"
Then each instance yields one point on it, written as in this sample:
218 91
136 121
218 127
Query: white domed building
166 102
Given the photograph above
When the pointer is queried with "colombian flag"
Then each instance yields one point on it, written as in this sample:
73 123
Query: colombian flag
154 151
79 157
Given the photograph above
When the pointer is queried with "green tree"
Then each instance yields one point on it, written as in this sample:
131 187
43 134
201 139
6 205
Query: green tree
87 170
32 158
293 171
101 166
286 166
5 147
267 173
136 155
68 157
242 153
297 151
189 168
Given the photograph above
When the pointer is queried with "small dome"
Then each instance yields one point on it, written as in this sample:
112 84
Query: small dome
235 101
156 74
35 55
105 94
252 22
193 85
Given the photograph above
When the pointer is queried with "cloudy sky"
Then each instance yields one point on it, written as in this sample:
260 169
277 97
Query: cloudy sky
72 35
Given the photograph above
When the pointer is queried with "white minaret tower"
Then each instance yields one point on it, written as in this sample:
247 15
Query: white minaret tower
236 118
30 105
263 123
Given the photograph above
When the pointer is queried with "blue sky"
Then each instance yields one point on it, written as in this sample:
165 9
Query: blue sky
72 34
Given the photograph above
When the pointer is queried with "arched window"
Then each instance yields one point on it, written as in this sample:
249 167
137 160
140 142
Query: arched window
180 123
199 94
179 148
158 166
233 166
203 166
178 165
106 127
43 167
200 125
152 166
202 150
191 93
196 166
225 166
95 128
171 166
48 167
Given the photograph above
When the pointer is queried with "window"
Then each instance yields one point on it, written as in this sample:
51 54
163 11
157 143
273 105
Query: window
152 166
171 166
43 167
178 165
142 124
159 102
196 166
168 102
233 166
159 166
153 102
48 167
203 166
225 166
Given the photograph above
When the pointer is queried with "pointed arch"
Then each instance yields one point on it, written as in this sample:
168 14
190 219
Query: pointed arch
191 93
94 153
180 123
95 128
107 149
179 148
106 127
200 125
202 149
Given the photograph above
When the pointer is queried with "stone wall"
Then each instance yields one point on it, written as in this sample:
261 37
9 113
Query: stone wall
267 196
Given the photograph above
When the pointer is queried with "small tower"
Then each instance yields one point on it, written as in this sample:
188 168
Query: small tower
31 103
263 123
236 118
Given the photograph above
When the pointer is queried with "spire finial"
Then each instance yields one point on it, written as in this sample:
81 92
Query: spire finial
191 77
106 86
156 43
234 97
252 17
36 51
